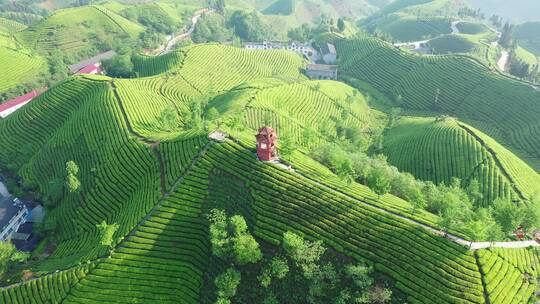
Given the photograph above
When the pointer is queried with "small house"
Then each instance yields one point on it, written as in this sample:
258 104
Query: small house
13 213
266 144
322 71
10 106
91 65
329 54
94 68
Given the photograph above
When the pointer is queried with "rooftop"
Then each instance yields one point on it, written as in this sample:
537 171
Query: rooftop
9 207
19 100
76 67
89 69
328 48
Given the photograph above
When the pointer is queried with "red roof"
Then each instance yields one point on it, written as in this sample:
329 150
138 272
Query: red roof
89 69
17 101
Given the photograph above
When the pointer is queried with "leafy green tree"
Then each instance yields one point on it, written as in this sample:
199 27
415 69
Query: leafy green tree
278 268
508 214
168 119
302 33
474 192
378 180
305 254
227 283
249 26
9 254
286 147
72 182
107 232
246 249
212 114
120 65
230 238
341 24
219 236
360 275
211 28
72 168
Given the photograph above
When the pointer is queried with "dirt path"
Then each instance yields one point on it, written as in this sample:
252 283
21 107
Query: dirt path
184 34
503 61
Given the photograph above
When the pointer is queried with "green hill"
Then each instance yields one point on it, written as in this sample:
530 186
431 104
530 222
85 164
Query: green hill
280 7
528 36
10 26
409 28
471 28
147 165
451 44
439 150
476 95
23 64
79 32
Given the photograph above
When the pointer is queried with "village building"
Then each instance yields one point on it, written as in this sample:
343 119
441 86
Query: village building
9 107
304 49
322 71
91 65
13 213
266 144
329 54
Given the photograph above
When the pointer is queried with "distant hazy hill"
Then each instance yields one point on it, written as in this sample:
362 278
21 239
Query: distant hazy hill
516 10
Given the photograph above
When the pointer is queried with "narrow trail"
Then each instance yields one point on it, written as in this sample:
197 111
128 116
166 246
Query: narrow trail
184 34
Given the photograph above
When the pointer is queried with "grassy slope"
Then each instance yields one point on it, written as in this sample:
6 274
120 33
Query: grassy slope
163 259
476 96
21 63
441 150
10 26
409 28
528 35
75 30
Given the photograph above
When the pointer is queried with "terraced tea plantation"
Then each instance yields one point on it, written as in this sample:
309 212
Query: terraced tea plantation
148 167
439 150
475 95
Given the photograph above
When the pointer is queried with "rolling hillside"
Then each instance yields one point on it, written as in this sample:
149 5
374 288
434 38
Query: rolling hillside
476 95
439 150
79 31
156 191
22 63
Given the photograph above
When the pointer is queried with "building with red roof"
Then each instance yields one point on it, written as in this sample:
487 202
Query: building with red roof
13 105
94 68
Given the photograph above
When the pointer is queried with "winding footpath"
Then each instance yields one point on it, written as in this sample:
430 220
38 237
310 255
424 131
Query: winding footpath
184 34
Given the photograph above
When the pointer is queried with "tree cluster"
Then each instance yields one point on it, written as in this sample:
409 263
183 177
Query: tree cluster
302 270
460 208
120 65
9 255
211 28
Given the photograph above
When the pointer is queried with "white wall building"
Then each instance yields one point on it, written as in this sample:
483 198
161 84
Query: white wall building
304 49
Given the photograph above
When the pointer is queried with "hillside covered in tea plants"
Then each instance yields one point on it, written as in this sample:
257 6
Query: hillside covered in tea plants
411 178
136 228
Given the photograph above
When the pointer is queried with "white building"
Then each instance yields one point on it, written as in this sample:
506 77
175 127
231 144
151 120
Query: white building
304 49
13 213
13 105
